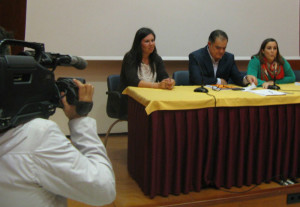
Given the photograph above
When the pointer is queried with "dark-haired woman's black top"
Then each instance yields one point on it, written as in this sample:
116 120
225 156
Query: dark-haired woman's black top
129 72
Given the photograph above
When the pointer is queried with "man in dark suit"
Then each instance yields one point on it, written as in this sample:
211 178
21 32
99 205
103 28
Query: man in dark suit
215 64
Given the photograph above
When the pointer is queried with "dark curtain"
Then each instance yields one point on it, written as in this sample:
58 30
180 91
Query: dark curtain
173 152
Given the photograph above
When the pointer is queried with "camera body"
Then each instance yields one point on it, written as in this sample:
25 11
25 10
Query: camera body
67 85
28 89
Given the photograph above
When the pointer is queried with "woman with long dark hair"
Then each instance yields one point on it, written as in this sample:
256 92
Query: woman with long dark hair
269 62
142 66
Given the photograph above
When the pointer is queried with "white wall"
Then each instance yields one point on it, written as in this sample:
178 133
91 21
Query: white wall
107 27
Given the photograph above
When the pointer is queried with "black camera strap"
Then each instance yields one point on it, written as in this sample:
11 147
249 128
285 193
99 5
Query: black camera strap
83 108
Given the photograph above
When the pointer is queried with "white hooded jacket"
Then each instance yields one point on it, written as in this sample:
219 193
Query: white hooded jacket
41 167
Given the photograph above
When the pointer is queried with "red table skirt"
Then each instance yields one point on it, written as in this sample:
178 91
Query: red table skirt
173 152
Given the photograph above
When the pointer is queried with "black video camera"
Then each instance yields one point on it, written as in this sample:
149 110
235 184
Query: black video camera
28 88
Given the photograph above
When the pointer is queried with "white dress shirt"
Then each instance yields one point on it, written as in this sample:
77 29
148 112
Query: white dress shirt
41 167
215 66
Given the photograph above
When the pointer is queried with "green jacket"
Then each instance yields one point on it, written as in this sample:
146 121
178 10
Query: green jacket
254 69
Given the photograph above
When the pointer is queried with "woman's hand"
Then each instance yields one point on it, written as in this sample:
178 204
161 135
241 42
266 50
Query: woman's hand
266 84
167 83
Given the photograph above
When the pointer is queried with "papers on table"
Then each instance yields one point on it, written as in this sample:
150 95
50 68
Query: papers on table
263 92
267 92
297 83
250 87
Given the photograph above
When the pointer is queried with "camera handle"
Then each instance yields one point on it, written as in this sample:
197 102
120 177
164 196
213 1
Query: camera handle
38 47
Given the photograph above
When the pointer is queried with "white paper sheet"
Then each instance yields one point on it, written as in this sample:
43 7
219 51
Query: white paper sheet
267 92
250 87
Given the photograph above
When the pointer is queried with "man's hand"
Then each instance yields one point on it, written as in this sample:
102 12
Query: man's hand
85 93
251 79
223 82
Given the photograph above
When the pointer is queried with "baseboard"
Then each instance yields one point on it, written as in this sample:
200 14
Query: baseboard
114 134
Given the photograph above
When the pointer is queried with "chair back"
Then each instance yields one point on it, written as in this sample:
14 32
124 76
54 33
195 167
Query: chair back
297 74
113 82
116 106
181 78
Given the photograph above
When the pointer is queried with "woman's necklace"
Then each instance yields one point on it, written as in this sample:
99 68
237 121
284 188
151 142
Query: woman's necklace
145 61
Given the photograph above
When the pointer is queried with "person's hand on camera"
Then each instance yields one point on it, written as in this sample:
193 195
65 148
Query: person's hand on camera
85 94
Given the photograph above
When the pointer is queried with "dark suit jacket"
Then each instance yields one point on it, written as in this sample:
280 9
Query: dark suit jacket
227 68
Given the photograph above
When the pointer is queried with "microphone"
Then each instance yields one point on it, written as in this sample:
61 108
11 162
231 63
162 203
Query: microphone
200 89
274 86
55 59
68 60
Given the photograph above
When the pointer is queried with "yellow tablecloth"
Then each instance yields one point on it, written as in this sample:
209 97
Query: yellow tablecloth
184 98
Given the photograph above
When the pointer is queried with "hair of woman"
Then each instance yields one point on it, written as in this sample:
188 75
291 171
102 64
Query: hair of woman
136 49
261 56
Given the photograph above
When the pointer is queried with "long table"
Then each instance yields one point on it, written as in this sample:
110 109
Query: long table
181 141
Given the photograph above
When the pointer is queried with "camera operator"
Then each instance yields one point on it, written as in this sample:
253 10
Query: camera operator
41 167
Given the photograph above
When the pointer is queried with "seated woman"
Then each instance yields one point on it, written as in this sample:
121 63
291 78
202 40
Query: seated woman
268 62
142 66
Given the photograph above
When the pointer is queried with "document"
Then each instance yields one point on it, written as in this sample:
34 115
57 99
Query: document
250 87
267 92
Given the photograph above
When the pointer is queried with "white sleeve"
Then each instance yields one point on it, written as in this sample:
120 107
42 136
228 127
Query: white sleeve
80 171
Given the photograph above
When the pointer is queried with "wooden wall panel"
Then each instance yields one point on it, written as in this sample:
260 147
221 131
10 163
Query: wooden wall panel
13 18
295 64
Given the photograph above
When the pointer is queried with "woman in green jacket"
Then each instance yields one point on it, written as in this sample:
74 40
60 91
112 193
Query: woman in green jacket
268 62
